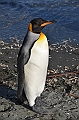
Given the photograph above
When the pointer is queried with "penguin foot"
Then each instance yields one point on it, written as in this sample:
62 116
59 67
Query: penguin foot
40 106
39 110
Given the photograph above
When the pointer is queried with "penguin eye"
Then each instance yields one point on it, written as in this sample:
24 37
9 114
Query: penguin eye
36 25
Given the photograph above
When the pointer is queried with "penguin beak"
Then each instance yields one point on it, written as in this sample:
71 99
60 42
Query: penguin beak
48 22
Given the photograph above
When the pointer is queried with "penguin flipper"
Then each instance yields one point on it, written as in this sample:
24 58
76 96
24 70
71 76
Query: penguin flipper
20 68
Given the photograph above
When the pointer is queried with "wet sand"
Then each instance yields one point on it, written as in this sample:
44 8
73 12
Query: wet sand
60 98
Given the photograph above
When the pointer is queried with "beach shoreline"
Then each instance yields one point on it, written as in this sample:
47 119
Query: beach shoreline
55 99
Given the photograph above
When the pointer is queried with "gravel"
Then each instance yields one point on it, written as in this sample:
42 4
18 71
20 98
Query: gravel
60 98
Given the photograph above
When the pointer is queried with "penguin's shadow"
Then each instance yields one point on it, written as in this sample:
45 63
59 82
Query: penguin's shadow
10 94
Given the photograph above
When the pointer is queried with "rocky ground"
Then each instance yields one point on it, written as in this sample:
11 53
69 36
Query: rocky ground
60 98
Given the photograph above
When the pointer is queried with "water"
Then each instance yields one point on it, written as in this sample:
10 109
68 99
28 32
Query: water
16 14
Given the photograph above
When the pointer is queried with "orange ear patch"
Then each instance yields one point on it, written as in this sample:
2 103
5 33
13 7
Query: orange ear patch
30 27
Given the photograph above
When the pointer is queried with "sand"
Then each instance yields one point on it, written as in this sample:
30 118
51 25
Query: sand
60 98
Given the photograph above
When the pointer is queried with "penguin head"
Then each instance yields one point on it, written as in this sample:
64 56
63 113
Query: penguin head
36 25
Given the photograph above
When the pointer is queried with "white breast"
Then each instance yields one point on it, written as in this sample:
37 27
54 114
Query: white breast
35 70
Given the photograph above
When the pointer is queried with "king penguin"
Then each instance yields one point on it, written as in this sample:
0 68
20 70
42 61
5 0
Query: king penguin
32 62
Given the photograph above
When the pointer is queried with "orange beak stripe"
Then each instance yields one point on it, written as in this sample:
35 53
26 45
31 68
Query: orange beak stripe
46 23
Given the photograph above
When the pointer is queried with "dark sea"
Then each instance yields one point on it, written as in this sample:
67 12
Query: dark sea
15 16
